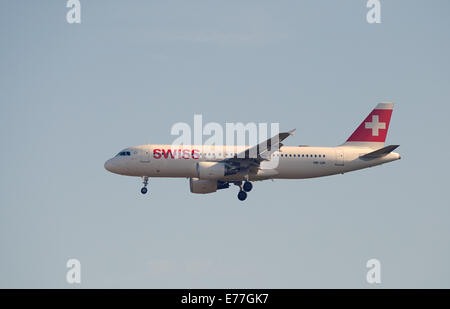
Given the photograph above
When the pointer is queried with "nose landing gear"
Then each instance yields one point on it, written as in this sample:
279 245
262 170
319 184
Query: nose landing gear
145 182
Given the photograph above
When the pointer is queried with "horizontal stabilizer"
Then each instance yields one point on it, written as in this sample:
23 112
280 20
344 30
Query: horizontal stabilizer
379 153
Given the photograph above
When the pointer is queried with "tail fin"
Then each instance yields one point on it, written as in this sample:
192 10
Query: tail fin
373 130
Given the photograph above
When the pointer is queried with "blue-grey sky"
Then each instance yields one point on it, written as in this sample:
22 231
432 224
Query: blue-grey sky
73 95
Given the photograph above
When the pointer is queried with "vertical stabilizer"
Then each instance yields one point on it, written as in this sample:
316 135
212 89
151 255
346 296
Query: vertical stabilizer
373 130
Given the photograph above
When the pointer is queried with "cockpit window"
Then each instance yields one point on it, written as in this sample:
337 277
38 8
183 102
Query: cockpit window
123 153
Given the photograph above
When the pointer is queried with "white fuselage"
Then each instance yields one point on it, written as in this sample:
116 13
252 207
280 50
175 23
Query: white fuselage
289 162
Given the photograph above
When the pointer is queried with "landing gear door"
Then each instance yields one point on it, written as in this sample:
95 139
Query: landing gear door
146 155
339 157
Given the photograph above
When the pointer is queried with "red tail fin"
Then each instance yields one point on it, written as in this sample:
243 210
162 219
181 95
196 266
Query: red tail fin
373 130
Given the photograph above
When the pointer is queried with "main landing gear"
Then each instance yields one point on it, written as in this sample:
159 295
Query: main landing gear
242 195
244 188
247 186
145 182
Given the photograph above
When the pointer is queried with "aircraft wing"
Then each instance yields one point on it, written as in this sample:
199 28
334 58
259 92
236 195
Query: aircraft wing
263 151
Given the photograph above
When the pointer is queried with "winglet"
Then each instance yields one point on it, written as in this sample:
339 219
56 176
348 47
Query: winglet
292 132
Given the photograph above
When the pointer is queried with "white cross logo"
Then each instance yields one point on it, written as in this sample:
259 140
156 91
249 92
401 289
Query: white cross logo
375 125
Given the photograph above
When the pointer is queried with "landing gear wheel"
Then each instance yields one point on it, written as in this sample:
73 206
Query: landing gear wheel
248 186
145 182
242 195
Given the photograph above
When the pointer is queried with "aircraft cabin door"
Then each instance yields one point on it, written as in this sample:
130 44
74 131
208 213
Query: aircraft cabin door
339 157
146 155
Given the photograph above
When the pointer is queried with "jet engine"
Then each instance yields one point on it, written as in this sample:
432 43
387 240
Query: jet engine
206 185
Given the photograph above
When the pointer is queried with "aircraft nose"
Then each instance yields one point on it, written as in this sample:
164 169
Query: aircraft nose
108 165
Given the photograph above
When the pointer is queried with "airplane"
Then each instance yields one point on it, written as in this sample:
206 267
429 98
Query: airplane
211 168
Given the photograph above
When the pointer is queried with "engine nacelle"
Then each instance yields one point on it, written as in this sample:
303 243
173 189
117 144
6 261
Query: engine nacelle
206 185
202 185
210 170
